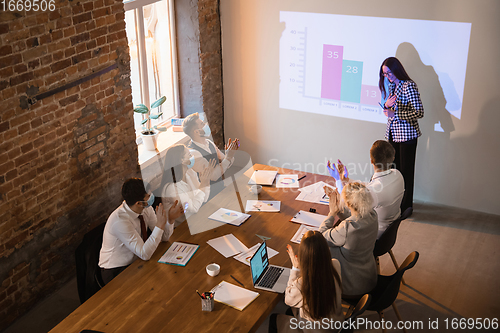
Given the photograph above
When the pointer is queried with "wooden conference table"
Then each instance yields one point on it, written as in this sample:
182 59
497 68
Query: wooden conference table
155 297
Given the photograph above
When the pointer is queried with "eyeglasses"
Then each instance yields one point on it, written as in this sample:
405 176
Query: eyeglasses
386 74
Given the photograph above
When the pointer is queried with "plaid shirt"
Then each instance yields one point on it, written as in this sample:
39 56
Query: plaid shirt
408 108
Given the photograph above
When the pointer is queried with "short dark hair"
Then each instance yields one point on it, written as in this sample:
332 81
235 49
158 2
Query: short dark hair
133 190
189 123
382 154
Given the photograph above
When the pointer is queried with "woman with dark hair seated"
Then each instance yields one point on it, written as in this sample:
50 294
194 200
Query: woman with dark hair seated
314 288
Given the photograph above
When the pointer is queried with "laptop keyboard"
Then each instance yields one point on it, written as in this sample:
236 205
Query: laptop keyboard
272 275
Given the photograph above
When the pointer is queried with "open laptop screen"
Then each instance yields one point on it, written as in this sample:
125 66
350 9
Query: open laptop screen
259 262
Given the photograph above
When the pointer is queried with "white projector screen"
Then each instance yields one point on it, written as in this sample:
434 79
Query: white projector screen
329 64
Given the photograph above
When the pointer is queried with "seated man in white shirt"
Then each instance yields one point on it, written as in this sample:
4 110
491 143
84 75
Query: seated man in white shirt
125 235
204 150
386 185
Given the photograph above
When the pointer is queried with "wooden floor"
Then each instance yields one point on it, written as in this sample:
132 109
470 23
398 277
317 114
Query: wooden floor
457 275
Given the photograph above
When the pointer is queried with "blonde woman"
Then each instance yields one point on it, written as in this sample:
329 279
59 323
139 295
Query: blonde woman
351 241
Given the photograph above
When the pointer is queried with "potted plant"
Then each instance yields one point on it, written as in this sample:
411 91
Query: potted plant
149 133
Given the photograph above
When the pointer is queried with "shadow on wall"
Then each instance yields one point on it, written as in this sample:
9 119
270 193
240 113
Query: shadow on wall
436 126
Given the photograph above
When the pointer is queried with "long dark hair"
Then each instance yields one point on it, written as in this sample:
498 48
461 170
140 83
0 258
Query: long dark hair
172 167
396 68
318 276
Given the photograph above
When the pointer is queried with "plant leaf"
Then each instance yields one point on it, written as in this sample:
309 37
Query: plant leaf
154 116
144 121
162 129
141 109
158 102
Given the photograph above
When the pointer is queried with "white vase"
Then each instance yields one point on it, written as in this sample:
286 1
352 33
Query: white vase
149 140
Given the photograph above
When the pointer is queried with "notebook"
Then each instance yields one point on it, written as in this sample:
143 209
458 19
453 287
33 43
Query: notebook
265 276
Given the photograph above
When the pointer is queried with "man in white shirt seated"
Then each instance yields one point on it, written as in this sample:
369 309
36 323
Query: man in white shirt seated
125 235
386 185
205 150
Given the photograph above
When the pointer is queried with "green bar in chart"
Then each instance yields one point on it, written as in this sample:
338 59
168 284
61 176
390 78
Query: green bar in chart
352 74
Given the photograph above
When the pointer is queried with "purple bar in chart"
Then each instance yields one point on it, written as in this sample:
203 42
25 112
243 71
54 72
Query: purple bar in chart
331 79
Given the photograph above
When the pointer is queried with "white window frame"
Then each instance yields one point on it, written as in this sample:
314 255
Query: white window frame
137 6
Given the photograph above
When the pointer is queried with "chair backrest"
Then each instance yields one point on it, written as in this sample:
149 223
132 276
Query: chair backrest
387 240
406 213
387 289
360 307
87 263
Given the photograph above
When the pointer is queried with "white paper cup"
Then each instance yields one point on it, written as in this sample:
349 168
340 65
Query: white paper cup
255 189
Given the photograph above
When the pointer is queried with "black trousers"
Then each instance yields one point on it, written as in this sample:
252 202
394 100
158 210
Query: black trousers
406 153
109 274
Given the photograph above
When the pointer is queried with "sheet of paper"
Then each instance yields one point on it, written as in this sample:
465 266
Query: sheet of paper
308 218
179 254
233 295
314 193
300 233
245 257
263 206
227 245
287 181
263 177
229 216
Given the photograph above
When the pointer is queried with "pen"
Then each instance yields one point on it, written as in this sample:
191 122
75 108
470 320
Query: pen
237 281
304 176
199 294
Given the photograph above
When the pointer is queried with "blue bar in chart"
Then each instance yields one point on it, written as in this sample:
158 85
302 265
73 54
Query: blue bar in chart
352 75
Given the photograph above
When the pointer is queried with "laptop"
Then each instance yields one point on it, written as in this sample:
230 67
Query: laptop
265 276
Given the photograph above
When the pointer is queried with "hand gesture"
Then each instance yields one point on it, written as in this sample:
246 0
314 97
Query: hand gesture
206 174
334 202
161 217
389 113
232 147
175 211
344 174
333 171
391 101
293 258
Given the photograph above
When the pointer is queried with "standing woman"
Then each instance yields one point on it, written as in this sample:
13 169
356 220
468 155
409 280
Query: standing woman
314 286
403 108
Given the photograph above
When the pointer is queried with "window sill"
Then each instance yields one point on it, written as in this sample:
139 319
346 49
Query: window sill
165 140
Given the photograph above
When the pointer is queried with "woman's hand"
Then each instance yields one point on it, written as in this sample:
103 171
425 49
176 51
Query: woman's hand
175 211
390 101
333 171
206 174
334 202
293 258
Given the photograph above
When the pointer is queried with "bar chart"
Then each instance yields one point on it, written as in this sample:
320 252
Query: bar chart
329 64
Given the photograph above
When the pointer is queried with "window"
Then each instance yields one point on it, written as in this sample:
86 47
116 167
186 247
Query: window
150 32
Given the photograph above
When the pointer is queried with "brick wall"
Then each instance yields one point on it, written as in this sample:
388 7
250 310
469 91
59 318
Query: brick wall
211 67
63 159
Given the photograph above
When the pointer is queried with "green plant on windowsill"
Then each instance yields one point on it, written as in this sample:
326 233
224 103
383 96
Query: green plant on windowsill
146 123
149 133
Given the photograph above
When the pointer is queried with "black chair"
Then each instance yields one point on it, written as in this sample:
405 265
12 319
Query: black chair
356 311
387 240
88 273
387 289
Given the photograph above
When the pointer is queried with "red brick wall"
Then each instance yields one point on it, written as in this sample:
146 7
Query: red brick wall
64 158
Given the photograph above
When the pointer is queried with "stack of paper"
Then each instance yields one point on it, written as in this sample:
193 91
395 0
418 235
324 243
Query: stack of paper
308 218
227 245
234 296
287 181
263 206
314 193
229 216
245 257
300 233
262 177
